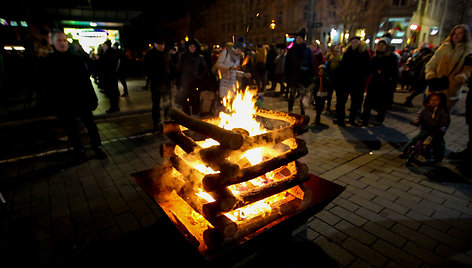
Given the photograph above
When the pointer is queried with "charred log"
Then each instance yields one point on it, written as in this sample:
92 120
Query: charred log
216 181
226 138
275 187
186 143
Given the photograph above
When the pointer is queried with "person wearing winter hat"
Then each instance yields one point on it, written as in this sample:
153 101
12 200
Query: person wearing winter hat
299 70
191 70
384 71
354 70
228 64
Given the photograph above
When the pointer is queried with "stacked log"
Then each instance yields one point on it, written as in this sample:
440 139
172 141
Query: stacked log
233 143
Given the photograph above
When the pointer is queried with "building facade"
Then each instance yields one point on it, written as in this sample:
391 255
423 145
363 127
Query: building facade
328 22
433 20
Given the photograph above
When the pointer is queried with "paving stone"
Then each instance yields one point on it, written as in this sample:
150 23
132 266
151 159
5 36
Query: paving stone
422 253
391 205
407 221
371 257
127 222
348 216
443 237
327 230
335 251
410 234
328 217
355 232
384 234
366 203
397 255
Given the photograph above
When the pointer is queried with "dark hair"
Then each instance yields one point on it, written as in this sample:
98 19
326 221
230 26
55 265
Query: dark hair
442 99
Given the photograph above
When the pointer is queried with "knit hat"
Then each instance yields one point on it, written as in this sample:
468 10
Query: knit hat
386 40
301 33
239 43
355 37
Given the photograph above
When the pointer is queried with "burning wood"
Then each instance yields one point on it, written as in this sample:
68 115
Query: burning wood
226 138
241 178
215 181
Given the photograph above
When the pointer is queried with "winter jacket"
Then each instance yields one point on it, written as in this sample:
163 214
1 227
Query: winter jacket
433 119
228 77
355 65
299 67
67 84
384 71
448 60
158 66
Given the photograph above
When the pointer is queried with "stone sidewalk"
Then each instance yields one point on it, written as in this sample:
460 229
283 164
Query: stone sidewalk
390 215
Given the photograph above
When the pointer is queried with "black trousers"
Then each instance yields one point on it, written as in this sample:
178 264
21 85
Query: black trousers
357 95
71 124
113 92
157 91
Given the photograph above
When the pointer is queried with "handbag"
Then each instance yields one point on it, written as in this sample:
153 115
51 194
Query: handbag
437 84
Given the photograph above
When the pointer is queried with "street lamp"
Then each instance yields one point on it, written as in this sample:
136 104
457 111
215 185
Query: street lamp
272 28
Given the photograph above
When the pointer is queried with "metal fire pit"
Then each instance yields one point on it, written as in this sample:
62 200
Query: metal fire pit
219 225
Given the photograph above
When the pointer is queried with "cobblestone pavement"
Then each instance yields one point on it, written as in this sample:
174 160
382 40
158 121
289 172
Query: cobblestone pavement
389 215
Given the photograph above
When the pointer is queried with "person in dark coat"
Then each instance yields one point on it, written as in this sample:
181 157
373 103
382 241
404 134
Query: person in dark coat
158 62
417 68
121 69
384 71
354 70
109 65
466 154
192 70
299 70
71 96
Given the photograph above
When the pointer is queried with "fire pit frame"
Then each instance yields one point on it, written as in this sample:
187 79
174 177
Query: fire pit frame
323 192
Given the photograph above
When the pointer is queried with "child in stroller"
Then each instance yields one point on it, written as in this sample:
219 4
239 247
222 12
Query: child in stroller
433 120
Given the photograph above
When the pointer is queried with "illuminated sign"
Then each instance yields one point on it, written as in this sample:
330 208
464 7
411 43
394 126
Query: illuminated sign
93 33
397 41
434 31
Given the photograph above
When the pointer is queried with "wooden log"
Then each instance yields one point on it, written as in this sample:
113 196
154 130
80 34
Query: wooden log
215 181
169 127
295 120
215 157
213 209
226 138
167 149
275 187
224 198
272 137
185 142
187 171
281 209
221 222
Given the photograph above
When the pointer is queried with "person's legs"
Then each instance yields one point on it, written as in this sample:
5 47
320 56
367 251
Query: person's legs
341 99
356 103
95 141
292 91
156 104
125 86
380 115
439 147
319 106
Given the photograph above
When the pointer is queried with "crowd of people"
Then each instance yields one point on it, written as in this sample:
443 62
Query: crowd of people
202 78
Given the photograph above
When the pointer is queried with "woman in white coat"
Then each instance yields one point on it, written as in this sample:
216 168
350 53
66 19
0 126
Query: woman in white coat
228 64
448 63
